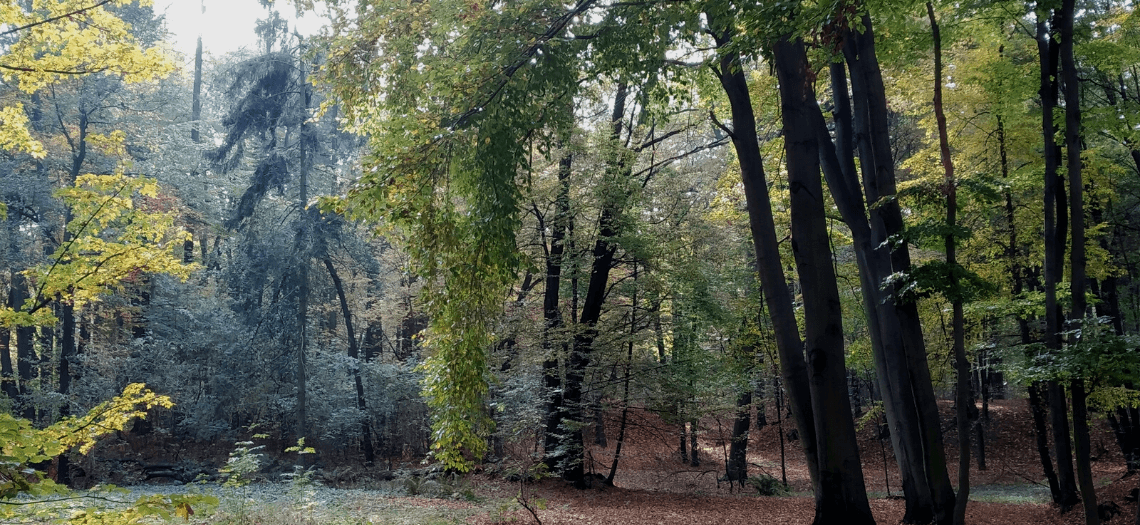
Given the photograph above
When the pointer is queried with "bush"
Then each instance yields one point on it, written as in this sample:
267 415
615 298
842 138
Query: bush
766 485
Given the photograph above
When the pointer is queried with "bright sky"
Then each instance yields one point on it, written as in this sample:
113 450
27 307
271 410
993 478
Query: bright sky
226 25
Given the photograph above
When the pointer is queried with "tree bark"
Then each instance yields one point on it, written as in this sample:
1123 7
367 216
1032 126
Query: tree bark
932 496
8 383
603 261
353 353
301 247
842 494
1038 409
737 468
66 354
25 350
625 382
1062 444
196 106
921 464
1077 258
1055 239
552 314
763 228
963 400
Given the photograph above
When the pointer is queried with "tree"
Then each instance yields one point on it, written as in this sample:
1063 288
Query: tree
83 39
962 366
841 496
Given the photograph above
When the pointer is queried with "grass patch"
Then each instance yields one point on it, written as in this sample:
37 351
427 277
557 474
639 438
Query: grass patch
1018 494
350 510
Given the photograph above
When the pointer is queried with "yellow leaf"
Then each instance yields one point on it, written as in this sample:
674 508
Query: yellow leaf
184 511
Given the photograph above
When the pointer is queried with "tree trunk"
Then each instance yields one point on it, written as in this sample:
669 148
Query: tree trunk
1055 240
552 315
931 497
763 228
842 495
25 350
1125 423
737 468
1077 259
1038 410
694 454
918 467
1059 416
950 186
301 248
8 383
625 382
353 353
196 106
603 261
66 355
1084 451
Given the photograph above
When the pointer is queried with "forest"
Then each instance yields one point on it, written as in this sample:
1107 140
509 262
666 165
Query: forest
519 261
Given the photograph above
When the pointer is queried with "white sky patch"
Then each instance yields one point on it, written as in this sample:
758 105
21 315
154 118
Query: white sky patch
225 25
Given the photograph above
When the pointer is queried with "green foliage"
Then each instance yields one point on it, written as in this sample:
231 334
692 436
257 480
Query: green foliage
121 229
443 173
936 276
21 445
244 461
766 485
1109 364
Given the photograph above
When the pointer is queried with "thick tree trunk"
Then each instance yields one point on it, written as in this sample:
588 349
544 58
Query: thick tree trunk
760 220
552 316
920 463
1084 451
930 496
1062 443
1038 409
842 495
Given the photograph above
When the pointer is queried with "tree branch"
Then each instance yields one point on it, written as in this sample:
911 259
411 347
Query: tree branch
54 18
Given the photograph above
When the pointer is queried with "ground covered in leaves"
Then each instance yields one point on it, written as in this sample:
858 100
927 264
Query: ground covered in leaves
653 486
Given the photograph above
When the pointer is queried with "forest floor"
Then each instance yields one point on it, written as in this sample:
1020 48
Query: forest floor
652 486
